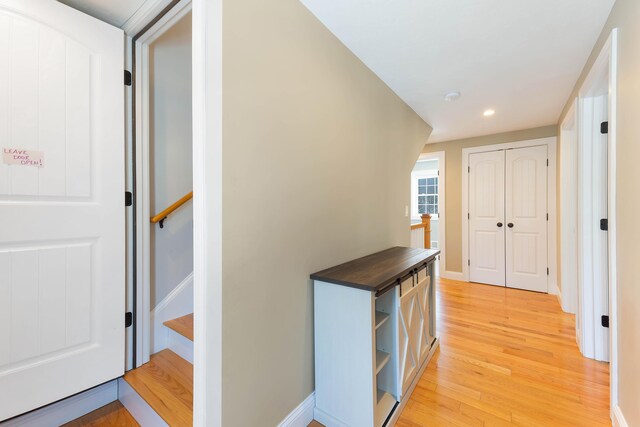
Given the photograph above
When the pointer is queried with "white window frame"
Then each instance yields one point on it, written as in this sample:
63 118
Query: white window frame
415 176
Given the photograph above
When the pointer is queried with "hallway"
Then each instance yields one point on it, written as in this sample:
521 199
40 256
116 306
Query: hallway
507 357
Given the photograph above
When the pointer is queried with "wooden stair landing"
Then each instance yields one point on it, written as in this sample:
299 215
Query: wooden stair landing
182 325
113 414
166 384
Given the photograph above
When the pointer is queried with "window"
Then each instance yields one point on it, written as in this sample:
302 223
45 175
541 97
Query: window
424 197
428 195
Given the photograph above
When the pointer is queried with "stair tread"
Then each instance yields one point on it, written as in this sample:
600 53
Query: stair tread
112 414
182 325
166 384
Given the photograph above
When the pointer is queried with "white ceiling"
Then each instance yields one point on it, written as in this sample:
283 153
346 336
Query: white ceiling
115 12
519 57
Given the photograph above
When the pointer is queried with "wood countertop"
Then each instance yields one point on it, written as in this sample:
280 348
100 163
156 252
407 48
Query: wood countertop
379 271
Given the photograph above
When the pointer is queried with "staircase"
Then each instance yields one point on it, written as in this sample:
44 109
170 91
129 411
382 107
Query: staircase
161 392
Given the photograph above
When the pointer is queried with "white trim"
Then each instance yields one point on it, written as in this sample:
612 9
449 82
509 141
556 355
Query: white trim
145 14
551 144
178 303
143 190
68 409
138 407
613 229
302 415
207 211
453 275
591 333
568 141
618 417
442 206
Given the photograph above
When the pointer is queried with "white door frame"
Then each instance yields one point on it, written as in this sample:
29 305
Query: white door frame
143 181
569 210
606 64
551 143
207 211
442 174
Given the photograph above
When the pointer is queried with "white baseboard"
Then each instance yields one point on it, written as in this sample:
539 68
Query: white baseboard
559 297
68 409
178 303
553 290
302 415
137 407
618 418
452 275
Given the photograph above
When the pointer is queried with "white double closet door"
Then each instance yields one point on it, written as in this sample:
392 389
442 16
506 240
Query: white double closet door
508 218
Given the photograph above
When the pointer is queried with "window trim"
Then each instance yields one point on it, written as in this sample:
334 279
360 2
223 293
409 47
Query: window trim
415 176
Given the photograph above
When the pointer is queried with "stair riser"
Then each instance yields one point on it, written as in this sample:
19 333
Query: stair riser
138 407
180 345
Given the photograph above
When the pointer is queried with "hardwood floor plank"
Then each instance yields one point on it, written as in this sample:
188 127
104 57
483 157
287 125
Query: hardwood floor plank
182 325
111 415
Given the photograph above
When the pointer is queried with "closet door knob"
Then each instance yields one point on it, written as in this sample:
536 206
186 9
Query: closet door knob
499 224
510 225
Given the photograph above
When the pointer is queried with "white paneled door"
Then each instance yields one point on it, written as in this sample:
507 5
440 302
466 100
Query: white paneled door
62 244
526 217
486 218
508 218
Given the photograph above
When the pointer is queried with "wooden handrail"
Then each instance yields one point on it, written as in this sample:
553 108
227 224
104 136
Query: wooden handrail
426 225
165 213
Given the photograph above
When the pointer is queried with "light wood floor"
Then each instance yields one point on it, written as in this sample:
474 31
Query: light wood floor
506 357
112 415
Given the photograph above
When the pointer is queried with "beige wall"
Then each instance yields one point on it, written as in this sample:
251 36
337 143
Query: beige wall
453 182
317 156
626 17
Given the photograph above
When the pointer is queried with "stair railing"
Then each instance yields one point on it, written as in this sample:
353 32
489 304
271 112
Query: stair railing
168 211
426 226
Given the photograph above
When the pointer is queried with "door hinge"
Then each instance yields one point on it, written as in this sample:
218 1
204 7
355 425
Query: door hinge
128 198
604 224
547 271
605 321
469 262
547 162
547 216
128 319
438 172
127 78
468 216
604 128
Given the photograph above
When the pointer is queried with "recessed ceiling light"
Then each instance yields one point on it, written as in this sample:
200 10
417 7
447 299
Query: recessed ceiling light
452 96
489 113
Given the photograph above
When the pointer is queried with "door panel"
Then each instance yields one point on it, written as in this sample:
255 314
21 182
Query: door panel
526 217
62 279
424 336
486 211
408 320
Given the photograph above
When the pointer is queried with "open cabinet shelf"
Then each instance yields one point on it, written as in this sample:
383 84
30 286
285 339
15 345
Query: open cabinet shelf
381 318
382 359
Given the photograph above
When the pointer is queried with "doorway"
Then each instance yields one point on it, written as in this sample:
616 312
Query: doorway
509 221
428 197
595 319
164 172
